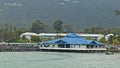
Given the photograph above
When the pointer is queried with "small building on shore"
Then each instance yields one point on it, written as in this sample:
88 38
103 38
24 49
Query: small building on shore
54 35
28 35
72 41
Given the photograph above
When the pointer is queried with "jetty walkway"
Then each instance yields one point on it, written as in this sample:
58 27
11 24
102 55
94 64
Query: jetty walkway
77 50
26 47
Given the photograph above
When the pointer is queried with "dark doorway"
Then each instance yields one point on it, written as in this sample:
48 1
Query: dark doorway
61 46
67 45
90 46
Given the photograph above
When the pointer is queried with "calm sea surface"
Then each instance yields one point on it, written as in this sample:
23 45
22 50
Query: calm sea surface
58 60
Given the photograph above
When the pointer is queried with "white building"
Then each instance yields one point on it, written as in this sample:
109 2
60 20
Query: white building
51 35
93 36
28 35
108 35
54 35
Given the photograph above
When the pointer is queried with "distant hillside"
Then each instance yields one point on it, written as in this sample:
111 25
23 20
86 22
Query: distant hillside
79 13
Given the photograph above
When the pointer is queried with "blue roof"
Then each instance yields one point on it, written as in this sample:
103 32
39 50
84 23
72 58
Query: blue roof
70 39
92 42
72 35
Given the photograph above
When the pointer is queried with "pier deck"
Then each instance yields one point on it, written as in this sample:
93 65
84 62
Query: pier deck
80 50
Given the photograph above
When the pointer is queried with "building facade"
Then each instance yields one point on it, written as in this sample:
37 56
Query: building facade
54 35
71 41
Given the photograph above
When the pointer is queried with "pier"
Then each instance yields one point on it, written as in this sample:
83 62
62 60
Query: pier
32 47
18 47
77 50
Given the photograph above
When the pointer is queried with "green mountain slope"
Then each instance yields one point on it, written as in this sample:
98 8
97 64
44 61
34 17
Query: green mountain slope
79 13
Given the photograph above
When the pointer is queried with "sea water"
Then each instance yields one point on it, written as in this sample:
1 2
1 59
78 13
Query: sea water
58 60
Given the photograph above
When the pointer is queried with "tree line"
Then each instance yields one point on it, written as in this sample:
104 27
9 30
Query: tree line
11 33
113 39
57 27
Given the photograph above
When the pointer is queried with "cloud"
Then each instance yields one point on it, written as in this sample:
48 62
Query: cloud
76 2
13 4
67 0
61 3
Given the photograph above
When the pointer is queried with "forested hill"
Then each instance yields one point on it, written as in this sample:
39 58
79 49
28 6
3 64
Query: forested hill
79 13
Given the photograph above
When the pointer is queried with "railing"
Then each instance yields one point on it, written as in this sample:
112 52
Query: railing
74 48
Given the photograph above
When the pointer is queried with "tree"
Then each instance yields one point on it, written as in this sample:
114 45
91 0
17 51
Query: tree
35 39
68 28
110 39
17 33
45 39
23 40
8 32
97 30
58 26
89 38
58 36
38 27
115 42
103 40
118 38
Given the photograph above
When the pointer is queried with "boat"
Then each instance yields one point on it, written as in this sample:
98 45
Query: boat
109 53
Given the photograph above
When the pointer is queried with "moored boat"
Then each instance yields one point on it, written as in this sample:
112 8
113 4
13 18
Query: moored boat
109 53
